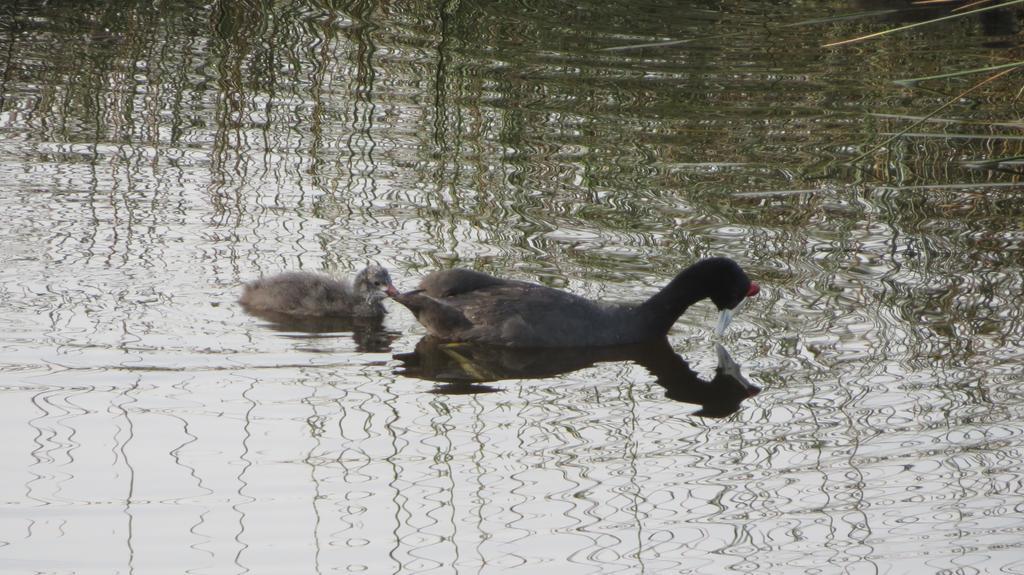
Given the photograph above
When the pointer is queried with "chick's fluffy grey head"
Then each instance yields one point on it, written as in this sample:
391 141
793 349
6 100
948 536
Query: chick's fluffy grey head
375 282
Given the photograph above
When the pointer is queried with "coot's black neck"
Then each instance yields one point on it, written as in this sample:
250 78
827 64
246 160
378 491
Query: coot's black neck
657 314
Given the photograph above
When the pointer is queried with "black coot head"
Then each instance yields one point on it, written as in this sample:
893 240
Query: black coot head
729 283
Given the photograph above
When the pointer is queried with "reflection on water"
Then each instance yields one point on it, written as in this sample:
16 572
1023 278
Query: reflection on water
463 367
368 333
155 156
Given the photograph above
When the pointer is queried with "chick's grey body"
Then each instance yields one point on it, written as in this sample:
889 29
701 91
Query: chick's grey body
312 294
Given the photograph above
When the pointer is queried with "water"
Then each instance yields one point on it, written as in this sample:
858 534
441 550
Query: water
154 158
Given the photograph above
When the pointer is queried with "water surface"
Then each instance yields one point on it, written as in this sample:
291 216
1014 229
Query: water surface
153 158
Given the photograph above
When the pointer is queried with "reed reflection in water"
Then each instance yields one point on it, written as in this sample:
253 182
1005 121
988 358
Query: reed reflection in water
155 156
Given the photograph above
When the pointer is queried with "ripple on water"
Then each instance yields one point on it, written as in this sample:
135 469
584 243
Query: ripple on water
155 164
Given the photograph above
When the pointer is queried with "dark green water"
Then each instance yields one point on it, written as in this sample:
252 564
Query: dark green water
154 157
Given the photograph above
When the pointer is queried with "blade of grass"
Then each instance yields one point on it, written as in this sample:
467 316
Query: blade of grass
668 43
910 81
775 193
933 113
842 18
687 165
932 135
934 120
982 164
969 5
919 24
970 186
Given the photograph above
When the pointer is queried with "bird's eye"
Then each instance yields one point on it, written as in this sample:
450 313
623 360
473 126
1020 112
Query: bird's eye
378 283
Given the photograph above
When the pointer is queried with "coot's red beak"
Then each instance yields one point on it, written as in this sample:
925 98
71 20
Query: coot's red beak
753 290
392 291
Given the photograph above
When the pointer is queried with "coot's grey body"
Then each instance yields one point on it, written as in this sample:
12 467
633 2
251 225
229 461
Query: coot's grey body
464 305
312 294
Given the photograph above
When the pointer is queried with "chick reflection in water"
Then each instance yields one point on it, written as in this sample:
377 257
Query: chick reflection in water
465 368
368 333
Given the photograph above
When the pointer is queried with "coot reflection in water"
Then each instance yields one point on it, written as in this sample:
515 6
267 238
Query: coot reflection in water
463 368
367 332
